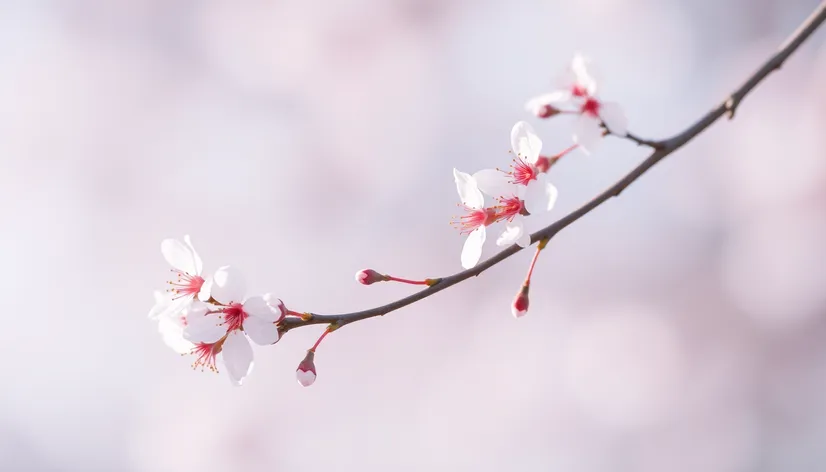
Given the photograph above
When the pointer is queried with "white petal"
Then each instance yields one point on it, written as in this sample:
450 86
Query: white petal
494 183
540 196
583 78
525 143
551 194
557 97
614 118
206 290
202 328
199 265
468 191
472 250
512 232
237 355
261 331
305 377
162 302
587 133
228 285
259 307
175 308
172 334
524 240
178 255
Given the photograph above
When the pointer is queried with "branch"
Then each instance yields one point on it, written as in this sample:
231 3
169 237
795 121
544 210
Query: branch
661 150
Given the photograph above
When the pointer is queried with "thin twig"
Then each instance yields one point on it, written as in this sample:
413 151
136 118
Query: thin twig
661 150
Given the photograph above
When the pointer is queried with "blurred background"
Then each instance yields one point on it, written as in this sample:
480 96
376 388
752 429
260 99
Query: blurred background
678 328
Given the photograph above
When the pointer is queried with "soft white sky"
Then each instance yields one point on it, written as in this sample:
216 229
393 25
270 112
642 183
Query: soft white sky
677 328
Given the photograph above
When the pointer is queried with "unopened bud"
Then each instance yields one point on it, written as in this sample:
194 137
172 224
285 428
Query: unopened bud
545 111
305 373
519 307
369 276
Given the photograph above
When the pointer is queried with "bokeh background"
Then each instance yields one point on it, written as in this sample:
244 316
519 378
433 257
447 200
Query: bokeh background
678 328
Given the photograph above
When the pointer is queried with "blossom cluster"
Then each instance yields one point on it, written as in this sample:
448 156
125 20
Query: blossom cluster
523 189
213 318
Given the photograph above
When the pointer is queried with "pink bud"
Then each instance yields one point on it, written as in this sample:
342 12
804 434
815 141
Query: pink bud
305 374
519 308
545 111
369 276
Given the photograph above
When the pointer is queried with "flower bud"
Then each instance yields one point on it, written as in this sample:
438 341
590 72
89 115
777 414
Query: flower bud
369 276
545 111
519 307
305 373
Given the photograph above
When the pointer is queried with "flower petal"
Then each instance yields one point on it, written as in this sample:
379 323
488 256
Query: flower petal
196 259
206 290
174 308
540 196
472 250
259 307
524 240
468 190
305 377
494 183
228 285
172 333
237 354
579 66
513 231
587 133
203 328
162 302
614 118
178 255
261 331
525 143
557 97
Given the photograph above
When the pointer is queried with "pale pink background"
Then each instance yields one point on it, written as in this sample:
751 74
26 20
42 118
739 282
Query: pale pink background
680 328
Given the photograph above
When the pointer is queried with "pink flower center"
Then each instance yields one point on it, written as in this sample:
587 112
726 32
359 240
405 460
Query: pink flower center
474 219
185 285
579 91
234 316
590 107
508 208
521 172
205 355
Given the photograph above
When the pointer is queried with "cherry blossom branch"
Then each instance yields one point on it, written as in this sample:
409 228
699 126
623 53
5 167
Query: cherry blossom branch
661 150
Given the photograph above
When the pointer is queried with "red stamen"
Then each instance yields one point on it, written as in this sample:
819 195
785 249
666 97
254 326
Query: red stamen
474 219
521 172
206 355
185 285
234 316
508 208
590 107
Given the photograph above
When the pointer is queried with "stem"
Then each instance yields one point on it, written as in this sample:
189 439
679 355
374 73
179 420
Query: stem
663 149
533 262
320 338
406 281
